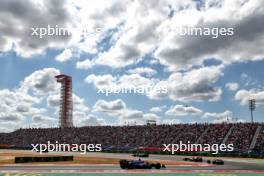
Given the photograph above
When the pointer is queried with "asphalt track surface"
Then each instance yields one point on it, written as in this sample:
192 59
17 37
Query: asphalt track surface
232 165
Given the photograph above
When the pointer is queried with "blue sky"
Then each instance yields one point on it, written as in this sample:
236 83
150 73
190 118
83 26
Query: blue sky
136 46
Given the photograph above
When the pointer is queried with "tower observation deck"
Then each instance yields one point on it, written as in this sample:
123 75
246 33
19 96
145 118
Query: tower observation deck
65 100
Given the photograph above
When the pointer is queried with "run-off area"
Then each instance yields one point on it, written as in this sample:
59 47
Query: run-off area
152 174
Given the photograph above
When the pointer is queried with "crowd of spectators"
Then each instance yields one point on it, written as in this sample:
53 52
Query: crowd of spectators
260 141
242 135
215 133
138 136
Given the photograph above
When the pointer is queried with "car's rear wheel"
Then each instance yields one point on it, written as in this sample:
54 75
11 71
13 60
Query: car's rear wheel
158 166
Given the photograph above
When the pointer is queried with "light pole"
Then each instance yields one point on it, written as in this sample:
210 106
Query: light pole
252 107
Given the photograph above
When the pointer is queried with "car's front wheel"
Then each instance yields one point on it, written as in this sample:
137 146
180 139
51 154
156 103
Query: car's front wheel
123 164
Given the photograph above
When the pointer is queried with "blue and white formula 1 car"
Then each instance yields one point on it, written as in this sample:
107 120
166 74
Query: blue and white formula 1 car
139 164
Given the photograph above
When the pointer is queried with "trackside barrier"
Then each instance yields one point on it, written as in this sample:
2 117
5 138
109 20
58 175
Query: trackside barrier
43 159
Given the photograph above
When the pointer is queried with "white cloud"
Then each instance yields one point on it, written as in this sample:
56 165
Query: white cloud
132 114
53 100
15 102
142 28
194 85
78 103
15 97
111 108
7 127
64 56
111 83
80 109
248 80
137 37
26 106
157 109
101 81
10 117
181 110
90 120
118 108
115 57
17 19
143 71
183 52
135 80
148 27
151 116
77 16
85 64
17 108
171 121
44 85
41 81
104 15
154 61
44 121
232 86
245 95
226 116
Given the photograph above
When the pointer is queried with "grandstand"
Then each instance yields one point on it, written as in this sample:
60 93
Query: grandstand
245 136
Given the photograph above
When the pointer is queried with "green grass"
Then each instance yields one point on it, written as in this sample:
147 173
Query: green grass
104 174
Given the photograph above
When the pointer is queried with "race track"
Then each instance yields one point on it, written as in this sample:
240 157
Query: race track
232 165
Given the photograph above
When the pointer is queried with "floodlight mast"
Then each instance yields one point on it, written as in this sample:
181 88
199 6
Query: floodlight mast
65 100
252 107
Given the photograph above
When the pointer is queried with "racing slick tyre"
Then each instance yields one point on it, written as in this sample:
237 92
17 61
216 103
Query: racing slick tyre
124 164
218 162
158 166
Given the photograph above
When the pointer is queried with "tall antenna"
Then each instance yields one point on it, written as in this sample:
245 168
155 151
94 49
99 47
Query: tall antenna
252 107
65 101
